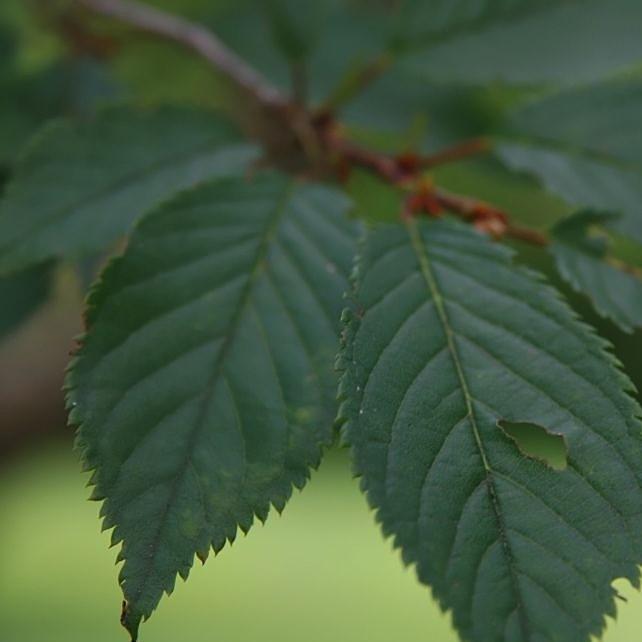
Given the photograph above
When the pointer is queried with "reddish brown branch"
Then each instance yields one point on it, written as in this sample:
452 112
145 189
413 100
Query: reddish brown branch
457 152
425 198
487 217
385 166
398 168
412 163
527 235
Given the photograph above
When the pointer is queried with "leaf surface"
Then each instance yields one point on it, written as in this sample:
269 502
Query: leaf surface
585 146
204 388
523 41
419 22
81 184
295 31
445 340
584 262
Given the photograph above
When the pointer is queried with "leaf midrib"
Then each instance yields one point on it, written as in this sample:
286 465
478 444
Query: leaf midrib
421 253
261 253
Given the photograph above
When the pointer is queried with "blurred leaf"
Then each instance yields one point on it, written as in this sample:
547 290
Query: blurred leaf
346 36
248 33
528 41
68 87
583 262
295 28
350 37
419 22
397 101
205 387
448 338
585 145
40 79
81 184
21 294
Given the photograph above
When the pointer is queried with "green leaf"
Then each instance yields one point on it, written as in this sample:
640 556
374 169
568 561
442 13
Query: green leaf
295 31
583 261
65 87
525 41
585 146
419 22
204 388
21 294
396 104
341 35
81 184
446 340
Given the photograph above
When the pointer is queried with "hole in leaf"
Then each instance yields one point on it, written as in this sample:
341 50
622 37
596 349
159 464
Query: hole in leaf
537 442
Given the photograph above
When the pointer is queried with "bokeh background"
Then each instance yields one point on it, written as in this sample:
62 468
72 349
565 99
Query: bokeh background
322 571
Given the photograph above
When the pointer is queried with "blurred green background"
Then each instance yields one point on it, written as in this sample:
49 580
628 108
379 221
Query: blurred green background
320 572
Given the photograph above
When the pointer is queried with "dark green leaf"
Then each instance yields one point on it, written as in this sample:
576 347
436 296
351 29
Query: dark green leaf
295 29
586 147
419 22
343 37
396 104
526 41
584 262
81 184
204 389
72 85
448 339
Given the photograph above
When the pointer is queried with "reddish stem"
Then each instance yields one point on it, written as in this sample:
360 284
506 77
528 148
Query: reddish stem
431 200
456 152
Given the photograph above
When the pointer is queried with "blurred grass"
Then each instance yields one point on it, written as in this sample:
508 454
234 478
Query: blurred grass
320 573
